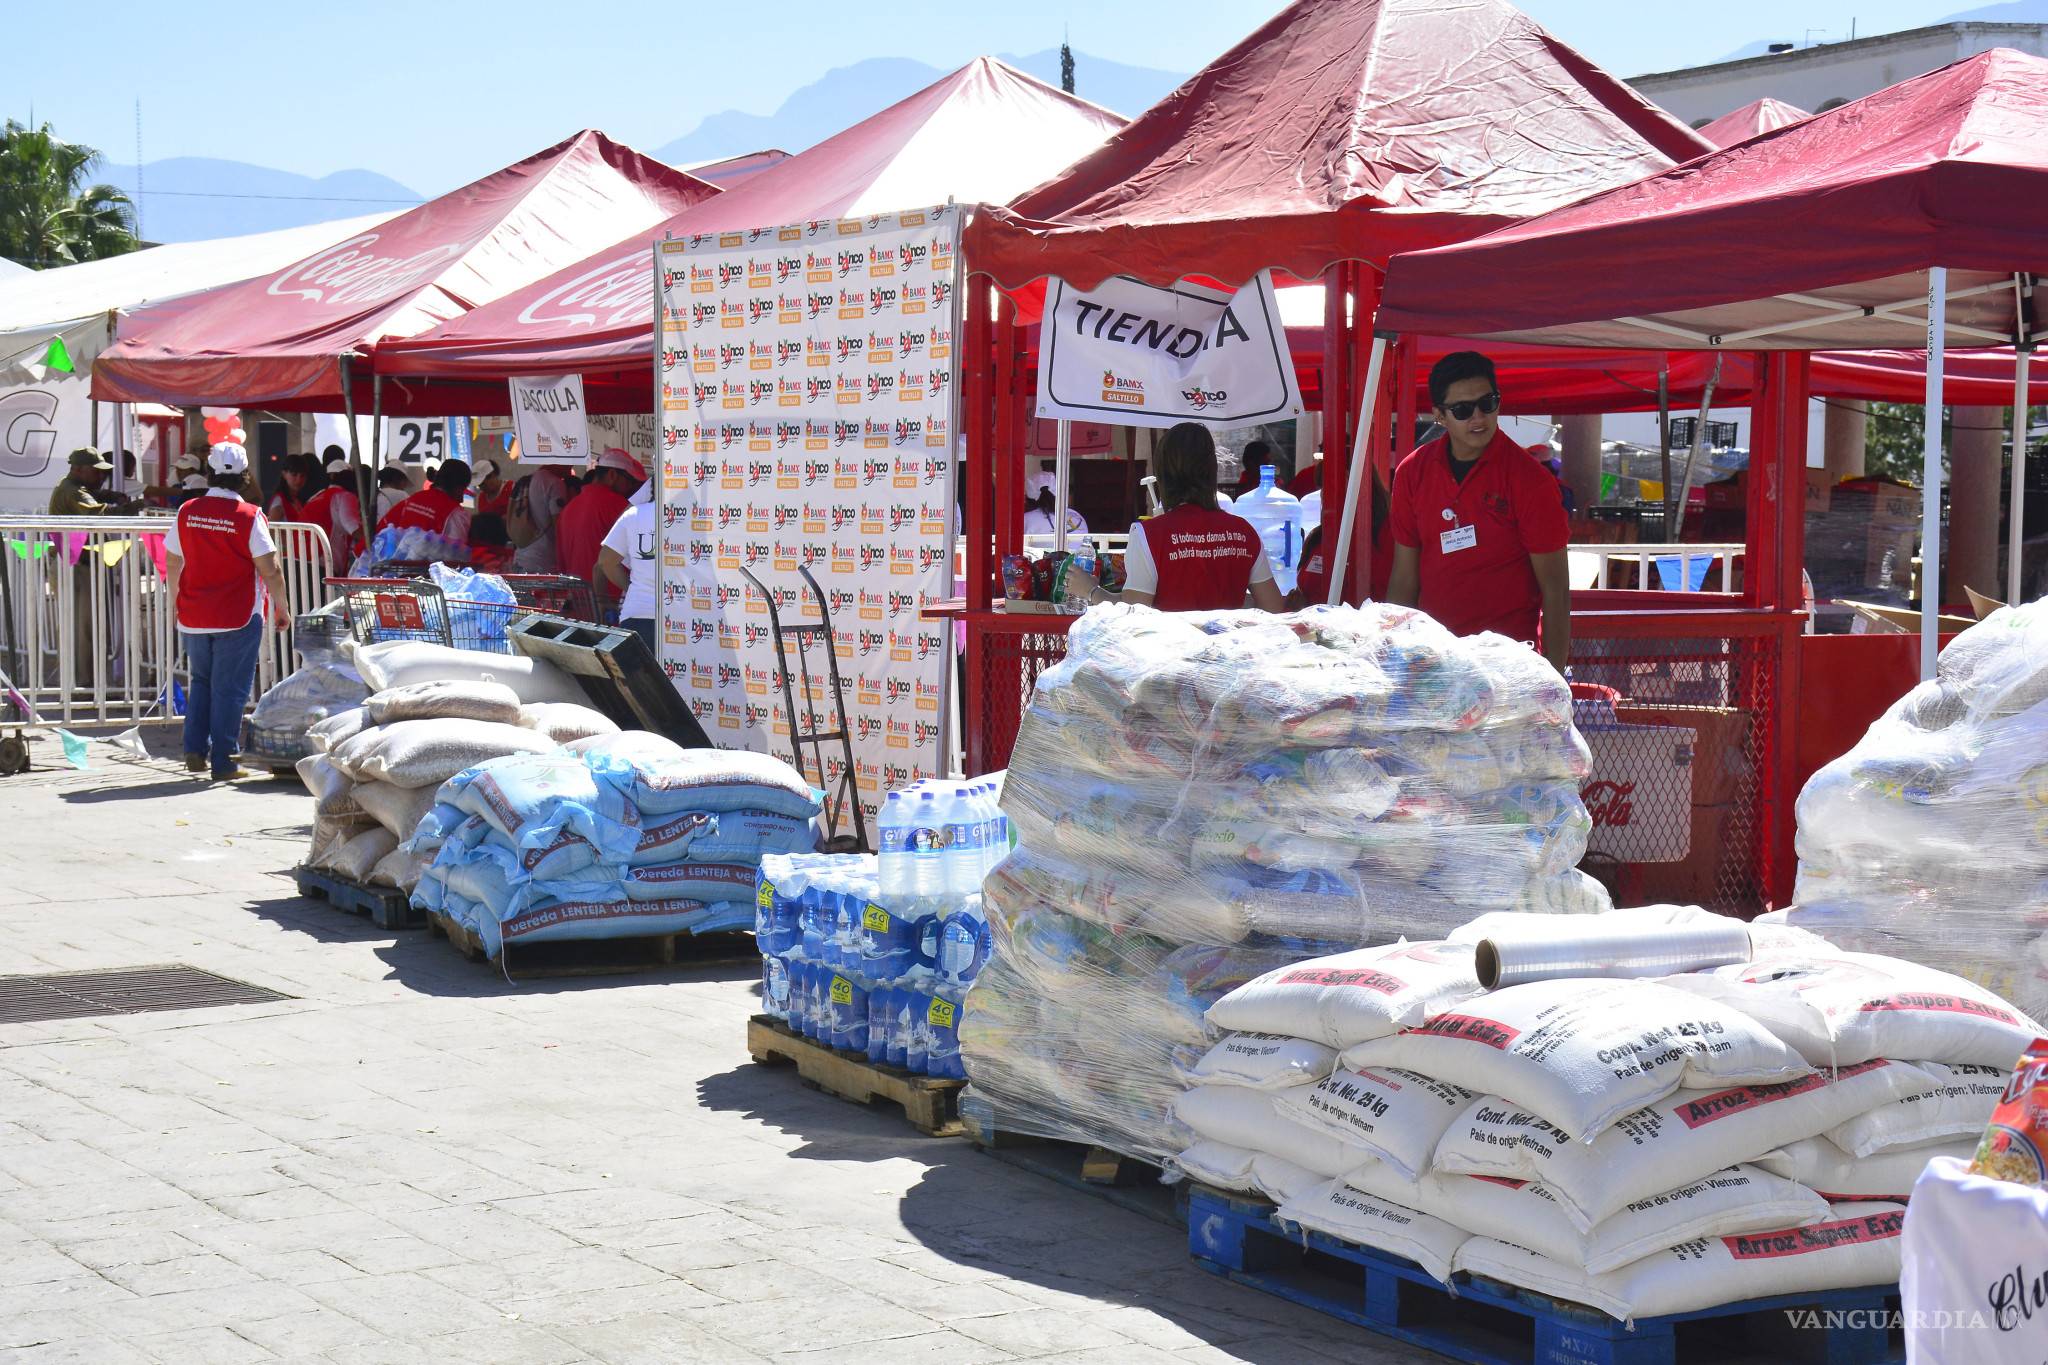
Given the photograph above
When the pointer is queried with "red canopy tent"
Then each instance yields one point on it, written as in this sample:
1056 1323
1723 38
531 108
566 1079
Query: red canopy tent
286 340
1879 223
983 132
1340 130
1758 116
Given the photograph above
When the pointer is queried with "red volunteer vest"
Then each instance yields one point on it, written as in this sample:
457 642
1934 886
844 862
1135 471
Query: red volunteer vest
217 590
428 510
320 511
1204 558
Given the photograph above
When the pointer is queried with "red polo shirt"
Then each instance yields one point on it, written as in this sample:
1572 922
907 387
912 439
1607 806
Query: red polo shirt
581 528
1475 537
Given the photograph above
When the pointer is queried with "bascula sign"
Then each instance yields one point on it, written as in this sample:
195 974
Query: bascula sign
1138 355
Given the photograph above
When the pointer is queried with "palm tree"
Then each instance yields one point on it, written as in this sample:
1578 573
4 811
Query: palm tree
49 216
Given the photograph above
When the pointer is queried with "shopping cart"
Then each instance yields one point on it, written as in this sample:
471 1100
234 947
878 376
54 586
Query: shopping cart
382 609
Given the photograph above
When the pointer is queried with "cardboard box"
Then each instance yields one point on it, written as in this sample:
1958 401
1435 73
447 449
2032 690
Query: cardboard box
1721 768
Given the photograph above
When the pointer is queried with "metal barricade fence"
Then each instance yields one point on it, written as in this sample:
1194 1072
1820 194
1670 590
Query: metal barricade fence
88 631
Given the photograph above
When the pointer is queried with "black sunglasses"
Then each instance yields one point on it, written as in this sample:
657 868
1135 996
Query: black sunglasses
1462 412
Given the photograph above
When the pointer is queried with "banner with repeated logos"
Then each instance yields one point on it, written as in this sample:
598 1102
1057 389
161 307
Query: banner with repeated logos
807 383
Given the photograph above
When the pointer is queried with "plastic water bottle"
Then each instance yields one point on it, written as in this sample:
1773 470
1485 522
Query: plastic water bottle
966 843
895 859
917 1002
942 1036
1275 514
847 1000
927 843
881 1021
963 945
998 846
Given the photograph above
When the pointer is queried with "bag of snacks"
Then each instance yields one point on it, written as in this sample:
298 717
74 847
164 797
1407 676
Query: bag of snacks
2014 1145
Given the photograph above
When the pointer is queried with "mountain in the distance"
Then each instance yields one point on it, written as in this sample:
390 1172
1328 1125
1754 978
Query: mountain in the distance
193 198
845 95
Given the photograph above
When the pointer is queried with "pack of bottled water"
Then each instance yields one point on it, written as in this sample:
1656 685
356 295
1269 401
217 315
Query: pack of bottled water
873 953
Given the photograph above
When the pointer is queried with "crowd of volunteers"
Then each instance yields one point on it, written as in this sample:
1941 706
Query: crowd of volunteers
595 524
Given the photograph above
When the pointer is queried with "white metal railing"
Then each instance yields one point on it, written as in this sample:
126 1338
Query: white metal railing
87 629
1592 566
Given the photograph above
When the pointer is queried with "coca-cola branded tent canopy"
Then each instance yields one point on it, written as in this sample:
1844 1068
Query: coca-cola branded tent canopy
1893 221
1339 130
281 340
980 134
1758 116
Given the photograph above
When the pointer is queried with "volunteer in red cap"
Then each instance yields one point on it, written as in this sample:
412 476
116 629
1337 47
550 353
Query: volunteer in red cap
1479 530
437 507
1193 556
335 510
221 562
591 514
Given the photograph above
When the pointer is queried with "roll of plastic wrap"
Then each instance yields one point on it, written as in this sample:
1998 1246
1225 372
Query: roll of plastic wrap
1510 960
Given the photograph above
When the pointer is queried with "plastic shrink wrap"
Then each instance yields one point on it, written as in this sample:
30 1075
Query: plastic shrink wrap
1200 797
1929 839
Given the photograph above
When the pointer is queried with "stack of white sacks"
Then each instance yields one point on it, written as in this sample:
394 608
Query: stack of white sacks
1928 839
432 712
1199 797
611 836
1643 1147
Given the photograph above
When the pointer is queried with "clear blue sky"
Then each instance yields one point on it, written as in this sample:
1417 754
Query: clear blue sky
437 92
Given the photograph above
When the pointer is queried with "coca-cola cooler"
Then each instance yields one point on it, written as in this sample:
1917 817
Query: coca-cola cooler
1640 792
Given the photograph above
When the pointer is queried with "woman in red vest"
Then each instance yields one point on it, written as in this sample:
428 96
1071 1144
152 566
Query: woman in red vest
220 560
437 507
288 503
1192 556
335 509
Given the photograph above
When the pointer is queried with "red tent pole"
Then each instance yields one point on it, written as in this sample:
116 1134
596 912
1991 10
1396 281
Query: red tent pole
976 402
1336 410
1774 558
1008 465
1405 384
1365 302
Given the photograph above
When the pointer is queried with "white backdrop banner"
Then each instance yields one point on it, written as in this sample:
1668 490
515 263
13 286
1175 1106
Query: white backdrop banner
808 376
1138 355
548 416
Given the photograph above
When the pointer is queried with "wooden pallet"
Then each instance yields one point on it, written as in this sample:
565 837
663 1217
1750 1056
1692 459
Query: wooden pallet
930 1103
601 956
1494 1324
387 907
1117 1177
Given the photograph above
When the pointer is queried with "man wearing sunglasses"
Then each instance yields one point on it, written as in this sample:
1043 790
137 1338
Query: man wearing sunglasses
1479 529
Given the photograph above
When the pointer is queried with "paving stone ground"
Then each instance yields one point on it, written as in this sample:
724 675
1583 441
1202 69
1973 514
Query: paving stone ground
413 1160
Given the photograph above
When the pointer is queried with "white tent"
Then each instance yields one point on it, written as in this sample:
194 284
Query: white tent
46 413
9 269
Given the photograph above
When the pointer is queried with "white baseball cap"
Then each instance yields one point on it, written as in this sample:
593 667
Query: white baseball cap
1036 482
337 464
615 458
227 458
483 469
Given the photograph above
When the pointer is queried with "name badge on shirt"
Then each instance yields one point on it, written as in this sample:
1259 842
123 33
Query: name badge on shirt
1459 538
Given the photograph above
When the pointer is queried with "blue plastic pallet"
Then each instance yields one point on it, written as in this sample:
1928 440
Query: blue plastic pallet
386 907
1493 1324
